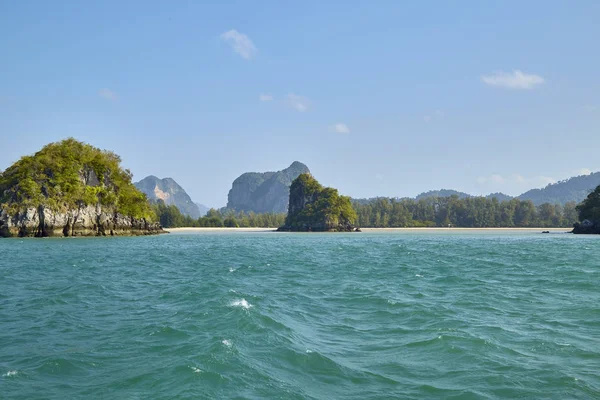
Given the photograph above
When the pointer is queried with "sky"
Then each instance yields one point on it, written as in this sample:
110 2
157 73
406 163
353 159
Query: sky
385 98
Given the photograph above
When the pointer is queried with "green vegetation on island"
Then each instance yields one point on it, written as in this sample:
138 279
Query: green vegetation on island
313 207
589 214
72 188
70 174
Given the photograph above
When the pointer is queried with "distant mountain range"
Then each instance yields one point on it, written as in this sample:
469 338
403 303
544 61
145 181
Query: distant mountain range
460 195
442 193
171 193
573 189
263 192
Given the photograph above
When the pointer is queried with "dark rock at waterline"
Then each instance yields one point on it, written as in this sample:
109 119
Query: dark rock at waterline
587 227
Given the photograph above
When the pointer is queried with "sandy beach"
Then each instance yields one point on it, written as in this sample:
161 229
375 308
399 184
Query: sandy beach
191 230
533 230
366 230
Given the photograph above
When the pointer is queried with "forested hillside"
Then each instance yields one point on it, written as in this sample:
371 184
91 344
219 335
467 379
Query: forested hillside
573 189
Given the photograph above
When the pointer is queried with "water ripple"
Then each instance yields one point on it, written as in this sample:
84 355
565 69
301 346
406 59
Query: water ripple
262 315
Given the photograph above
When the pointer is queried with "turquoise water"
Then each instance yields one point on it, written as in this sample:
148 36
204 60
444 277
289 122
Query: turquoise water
301 316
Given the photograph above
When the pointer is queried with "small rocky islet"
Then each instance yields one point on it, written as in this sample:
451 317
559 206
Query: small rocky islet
589 214
314 208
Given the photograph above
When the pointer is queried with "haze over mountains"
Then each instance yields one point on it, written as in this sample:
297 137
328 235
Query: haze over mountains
460 195
268 192
572 189
170 192
259 192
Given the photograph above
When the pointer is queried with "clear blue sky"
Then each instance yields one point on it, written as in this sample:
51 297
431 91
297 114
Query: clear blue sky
386 98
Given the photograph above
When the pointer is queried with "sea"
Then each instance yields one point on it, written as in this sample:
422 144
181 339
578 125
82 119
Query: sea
266 315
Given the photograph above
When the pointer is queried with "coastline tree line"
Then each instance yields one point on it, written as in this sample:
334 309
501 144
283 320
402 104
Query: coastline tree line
472 212
171 217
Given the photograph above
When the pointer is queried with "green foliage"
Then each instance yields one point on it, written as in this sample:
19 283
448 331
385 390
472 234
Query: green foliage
70 174
171 217
590 207
314 207
471 212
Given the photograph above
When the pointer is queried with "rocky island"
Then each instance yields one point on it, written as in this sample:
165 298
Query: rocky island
314 208
589 214
264 192
71 188
171 193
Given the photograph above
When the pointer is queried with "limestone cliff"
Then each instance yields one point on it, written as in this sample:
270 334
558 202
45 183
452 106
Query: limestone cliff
314 208
70 188
170 192
264 192
85 221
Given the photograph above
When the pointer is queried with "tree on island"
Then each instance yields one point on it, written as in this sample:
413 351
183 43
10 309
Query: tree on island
313 207
590 207
589 214
70 174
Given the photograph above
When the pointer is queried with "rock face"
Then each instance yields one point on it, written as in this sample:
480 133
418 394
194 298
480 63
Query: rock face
314 208
587 227
170 192
85 221
264 192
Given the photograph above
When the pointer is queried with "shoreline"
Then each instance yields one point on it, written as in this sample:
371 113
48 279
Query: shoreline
532 230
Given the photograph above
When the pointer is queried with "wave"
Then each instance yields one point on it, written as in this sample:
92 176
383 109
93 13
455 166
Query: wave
241 303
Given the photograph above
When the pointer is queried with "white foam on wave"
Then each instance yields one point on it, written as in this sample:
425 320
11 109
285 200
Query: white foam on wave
196 370
308 351
10 373
241 303
231 269
420 276
226 342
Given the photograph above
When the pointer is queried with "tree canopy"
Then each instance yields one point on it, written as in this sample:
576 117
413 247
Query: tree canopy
590 207
471 212
314 207
70 174
171 217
